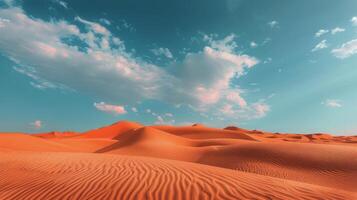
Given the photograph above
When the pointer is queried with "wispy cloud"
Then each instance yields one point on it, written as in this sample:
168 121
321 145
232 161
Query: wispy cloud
37 81
320 45
36 124
273 24
253 44
61 3
235 97
161 120
354 21
321 32
162 52
346 50
105 21
337 30
97 28
332 103
124 25
253 111
112 109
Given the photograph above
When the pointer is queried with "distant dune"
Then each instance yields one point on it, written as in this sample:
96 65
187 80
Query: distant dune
127 160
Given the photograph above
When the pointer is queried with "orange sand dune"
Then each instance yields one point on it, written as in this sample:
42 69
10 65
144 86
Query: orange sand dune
111 131
318 138
57 134
98 176
333 166
202 132
24 142
230 163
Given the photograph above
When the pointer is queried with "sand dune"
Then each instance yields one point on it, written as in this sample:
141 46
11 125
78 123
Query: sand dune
24 142
111 131
317 138
230 163
57 134
202 132
332 166
99 176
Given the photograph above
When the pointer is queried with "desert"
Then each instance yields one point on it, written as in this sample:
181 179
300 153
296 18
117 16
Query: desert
127 160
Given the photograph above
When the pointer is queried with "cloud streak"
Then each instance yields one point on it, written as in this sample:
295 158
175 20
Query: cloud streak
320 45
112 109
321 32
162 52
337 30
273 24
346 50
332 103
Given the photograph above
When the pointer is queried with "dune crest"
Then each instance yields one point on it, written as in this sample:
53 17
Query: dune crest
57 134
111 131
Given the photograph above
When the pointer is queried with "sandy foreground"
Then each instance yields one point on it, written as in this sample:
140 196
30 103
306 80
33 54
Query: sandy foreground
129 161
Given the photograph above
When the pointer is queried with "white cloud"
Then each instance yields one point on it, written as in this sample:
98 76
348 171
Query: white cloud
9 2
124 25
62 3
112 109
161 120
206 76
333 103
108 72
253 44
354 21
36 124
321 32
337 30
253 111
266 41
273 24
134 109
3 22
321 45
148 110
105 21
97 28
260 109
227 44
169 115
346 50
235 97
268 60
38 82
162 52
227 109
105 69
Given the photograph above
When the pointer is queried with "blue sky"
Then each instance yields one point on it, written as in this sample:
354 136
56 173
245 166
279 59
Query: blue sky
274 65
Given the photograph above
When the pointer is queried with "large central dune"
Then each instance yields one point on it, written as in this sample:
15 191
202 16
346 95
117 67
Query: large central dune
127 160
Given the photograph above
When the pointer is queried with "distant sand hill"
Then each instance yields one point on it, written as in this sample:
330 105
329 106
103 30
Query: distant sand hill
127 160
